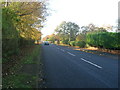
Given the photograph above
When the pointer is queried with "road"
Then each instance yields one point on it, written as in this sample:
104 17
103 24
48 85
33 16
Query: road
67 68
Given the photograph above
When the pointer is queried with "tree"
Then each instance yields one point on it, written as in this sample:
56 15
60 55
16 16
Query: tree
20 21
51 38
30 16
119 24
67 30
84 29
72 30
81 37
91 27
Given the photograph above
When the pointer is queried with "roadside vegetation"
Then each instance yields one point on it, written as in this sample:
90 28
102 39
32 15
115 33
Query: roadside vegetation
70 34
24 72
21 24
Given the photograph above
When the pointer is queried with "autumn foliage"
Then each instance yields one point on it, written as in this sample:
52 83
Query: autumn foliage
21 24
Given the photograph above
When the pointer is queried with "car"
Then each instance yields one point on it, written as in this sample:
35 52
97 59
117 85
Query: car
46 43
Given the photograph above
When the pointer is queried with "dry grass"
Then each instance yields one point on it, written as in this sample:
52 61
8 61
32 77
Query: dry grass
104 50
94 49
63 44
91 48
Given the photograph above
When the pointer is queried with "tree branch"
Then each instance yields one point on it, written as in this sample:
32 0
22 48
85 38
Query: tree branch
29 12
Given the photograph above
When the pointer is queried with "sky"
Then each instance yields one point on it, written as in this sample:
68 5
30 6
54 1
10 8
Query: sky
81 12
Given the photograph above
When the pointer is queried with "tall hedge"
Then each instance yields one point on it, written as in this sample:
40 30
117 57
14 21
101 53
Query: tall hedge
10 35
108 40
11 39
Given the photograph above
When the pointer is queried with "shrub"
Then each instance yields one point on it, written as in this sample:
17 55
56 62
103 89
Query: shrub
64 41
81 44
72 43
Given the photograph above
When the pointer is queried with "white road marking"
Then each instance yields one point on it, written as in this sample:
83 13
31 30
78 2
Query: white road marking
62 50
91 63
70 53
57 48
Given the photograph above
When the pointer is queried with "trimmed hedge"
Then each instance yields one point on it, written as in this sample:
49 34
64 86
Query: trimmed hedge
108 40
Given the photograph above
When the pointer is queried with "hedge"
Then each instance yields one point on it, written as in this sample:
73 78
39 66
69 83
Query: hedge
11 40
108 40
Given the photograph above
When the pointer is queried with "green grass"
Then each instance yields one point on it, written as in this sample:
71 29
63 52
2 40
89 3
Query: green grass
17 81
0 61
22 80
30 58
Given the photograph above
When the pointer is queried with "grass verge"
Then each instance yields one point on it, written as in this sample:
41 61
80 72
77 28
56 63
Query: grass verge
25 73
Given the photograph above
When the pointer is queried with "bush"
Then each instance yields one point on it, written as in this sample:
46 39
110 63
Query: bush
72 43
81 44
64 41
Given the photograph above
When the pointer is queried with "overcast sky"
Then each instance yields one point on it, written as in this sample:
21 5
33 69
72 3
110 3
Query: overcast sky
82 12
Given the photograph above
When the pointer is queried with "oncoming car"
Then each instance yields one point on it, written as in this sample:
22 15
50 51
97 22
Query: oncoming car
46 43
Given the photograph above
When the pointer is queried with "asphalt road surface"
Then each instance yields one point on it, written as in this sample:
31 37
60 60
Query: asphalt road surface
67 68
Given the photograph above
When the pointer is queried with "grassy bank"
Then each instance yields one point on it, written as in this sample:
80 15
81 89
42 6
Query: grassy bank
24 74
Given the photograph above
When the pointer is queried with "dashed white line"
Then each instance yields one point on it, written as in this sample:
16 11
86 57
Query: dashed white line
91 63
70 53
57 48
62 50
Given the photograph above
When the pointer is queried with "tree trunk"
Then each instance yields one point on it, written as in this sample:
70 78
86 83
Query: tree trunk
6 4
